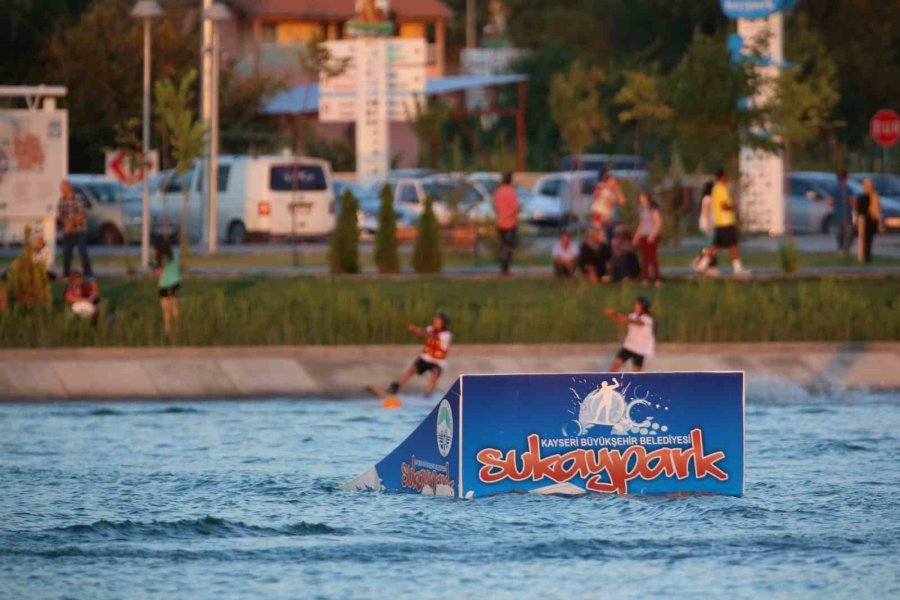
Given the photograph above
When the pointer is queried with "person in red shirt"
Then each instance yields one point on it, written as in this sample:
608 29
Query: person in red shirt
433 357
506 205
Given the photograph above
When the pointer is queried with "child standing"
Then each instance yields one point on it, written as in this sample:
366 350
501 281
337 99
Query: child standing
647 238
168 268
433 357
640 340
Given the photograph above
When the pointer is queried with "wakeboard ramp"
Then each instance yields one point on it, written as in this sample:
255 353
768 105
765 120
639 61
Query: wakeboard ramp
605 433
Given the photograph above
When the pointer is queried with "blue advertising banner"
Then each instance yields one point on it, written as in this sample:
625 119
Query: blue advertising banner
754 9
626 433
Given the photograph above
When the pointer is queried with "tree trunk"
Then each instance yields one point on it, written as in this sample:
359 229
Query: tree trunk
786 192
637 138
182 228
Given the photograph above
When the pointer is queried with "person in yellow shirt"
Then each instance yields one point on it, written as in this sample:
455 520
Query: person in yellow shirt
724 220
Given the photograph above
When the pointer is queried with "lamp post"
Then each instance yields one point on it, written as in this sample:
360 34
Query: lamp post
215 13
146 10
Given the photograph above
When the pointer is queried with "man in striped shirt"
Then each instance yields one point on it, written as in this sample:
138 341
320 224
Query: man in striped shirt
74 223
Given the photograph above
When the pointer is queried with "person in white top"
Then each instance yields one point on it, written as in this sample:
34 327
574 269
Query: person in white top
43 254
565 256
640 340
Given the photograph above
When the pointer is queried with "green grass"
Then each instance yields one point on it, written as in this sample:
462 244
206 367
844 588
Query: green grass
347 310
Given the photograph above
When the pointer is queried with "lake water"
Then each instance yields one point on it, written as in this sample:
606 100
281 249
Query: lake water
241 499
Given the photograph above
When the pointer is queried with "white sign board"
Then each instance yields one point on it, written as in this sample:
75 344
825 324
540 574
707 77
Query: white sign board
762 173
116 166
33 162
372 143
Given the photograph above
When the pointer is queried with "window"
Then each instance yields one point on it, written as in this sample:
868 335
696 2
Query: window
408 194
297 177
799 187
587 185
174 182
105 193
222 182
550 187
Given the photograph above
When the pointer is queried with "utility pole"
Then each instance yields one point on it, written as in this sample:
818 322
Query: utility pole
471 40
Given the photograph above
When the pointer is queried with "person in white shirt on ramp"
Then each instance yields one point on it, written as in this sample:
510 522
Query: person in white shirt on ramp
640 340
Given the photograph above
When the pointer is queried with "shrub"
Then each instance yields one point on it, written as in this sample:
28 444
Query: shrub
427 250
343 251
27 279
386 257
789 257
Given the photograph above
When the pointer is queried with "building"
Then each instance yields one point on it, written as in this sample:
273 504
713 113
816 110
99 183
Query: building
267 34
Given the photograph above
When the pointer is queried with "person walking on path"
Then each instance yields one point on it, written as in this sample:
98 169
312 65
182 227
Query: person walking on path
647 238
843 204
74 223
868 210
705 225
640 340
724 219
433 357
506 205
168 269
565 256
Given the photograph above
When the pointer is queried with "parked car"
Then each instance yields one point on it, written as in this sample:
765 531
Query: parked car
113 210
449 194
627 166
572 191
537 210
369 207
811 201
260 196
888 187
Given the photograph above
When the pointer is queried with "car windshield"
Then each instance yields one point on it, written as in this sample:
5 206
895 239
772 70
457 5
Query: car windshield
888 185
106 192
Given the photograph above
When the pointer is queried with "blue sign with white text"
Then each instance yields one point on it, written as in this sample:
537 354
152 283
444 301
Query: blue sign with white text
754 9
606 433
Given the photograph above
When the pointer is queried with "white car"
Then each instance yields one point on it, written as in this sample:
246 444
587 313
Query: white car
534 209
448 195
573 191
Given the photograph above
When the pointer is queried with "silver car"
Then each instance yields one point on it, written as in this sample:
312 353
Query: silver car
113 210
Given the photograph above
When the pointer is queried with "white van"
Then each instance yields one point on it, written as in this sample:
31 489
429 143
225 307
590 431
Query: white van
260 196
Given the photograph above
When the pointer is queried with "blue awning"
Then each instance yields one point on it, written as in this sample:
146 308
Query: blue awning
304 99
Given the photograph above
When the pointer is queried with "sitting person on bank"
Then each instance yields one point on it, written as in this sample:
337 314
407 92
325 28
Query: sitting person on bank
593 257
625 265
433 357
565 256
82 296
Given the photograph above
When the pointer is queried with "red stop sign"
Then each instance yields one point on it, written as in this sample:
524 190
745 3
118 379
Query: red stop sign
885 128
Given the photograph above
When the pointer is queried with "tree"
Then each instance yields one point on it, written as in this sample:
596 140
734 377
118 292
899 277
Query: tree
27 279
386 257
315 59
426 122
644 107
186 135
804 95
128 141
427 249
708 93
343 250
575 106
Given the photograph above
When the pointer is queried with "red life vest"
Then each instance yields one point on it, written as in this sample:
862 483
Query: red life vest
433 346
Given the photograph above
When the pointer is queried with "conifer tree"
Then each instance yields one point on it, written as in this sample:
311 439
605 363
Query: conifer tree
386 257
343 251
427 250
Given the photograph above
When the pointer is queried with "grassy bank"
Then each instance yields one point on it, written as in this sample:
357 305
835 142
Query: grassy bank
249 311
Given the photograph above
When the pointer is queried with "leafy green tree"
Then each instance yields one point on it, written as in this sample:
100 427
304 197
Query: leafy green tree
575 106
644 106
426 122
343 250
186 135
386 257
427 249
804 95
128 140
27 280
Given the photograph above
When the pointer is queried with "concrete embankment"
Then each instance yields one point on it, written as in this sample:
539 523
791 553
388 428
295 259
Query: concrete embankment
342 371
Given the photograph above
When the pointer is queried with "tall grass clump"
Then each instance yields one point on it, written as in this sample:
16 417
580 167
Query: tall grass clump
27 282
343 250
788 257
427 249
387 259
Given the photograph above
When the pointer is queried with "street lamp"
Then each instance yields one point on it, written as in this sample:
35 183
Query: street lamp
146 10
215 13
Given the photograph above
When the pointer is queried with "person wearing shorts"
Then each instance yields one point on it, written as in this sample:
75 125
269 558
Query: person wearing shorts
640 340
433 358
169 272
724 218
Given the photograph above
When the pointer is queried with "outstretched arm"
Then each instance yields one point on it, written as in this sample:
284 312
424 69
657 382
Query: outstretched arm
620 318
418 331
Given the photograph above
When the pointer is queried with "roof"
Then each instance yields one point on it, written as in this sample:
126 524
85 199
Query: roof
337 9
304 99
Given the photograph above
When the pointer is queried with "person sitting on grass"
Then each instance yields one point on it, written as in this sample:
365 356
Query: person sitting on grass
565 256
433 357
82 296
625 266
640 340
593 257
168 270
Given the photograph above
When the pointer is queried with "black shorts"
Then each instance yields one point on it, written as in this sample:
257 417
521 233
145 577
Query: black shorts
423 366
725 237
635 358
169 292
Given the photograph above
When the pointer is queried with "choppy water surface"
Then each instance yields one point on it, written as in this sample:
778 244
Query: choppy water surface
238 499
